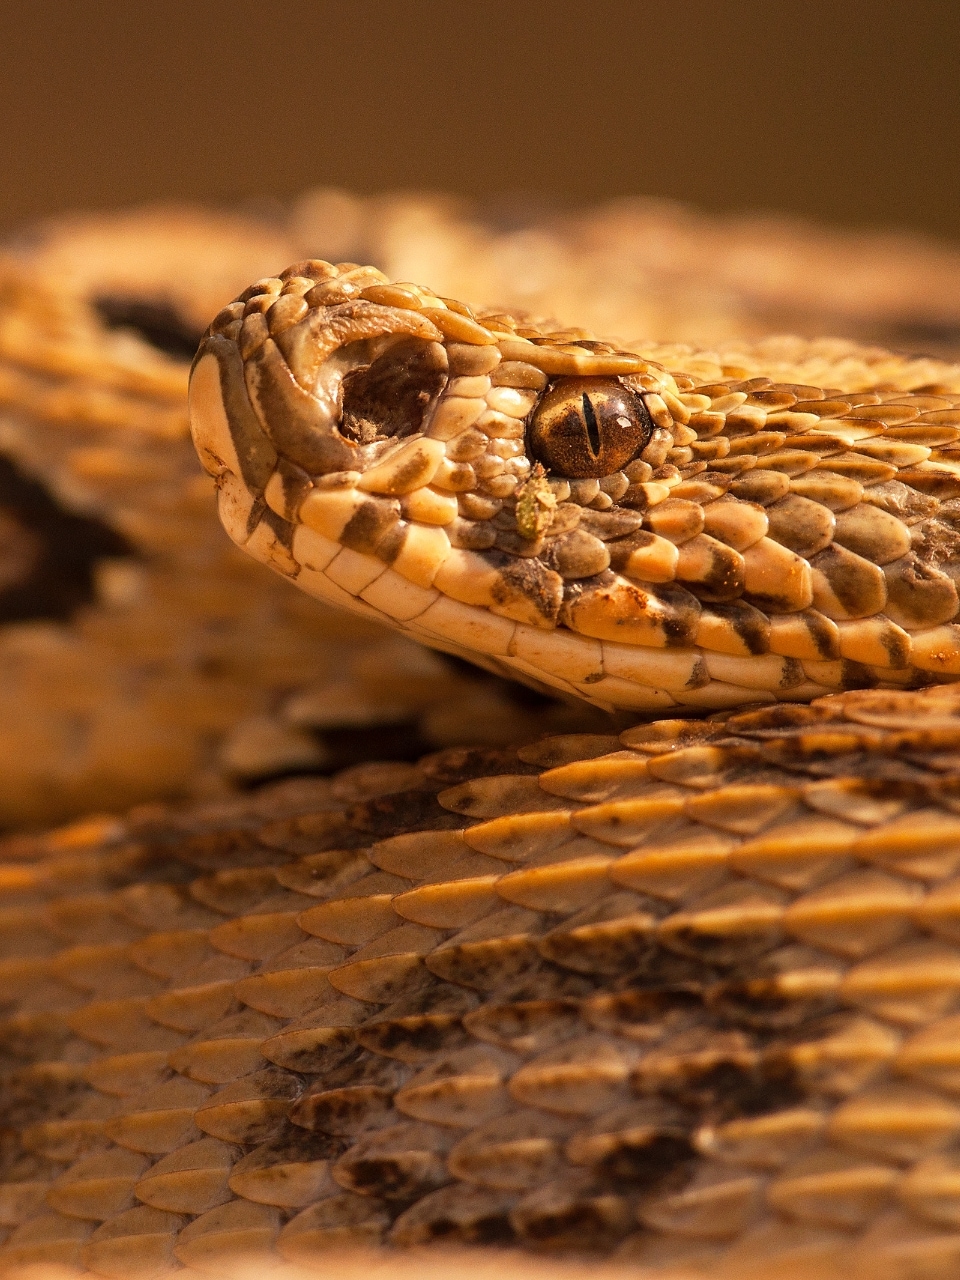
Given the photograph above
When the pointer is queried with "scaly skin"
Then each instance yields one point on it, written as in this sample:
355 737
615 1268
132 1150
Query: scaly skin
745 539
685 996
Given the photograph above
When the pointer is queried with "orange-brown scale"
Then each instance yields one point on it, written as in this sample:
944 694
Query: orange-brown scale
696 986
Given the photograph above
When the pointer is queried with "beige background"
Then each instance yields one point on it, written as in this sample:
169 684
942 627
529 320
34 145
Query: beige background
833 108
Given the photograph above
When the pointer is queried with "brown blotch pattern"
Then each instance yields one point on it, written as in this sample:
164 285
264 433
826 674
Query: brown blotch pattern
692 990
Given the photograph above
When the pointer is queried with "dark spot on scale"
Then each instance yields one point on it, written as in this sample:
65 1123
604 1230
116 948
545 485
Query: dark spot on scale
488 1228
48 554
155 320
587 1222
760 1004
657 1160
401 812
531 581
391 1177
418 1036
369 524
728 1089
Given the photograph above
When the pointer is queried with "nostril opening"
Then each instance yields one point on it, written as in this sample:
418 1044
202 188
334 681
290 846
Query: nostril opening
390 397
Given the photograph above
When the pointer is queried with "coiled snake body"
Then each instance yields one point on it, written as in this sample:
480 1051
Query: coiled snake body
687 995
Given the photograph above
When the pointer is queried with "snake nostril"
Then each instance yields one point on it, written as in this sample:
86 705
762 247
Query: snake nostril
389 397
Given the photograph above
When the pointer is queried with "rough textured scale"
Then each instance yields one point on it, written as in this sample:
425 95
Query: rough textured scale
687 995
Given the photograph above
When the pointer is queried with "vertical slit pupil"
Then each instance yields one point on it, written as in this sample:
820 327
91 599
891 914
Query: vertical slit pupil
593 429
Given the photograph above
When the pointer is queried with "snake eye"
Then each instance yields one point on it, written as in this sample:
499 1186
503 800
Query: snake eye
586 427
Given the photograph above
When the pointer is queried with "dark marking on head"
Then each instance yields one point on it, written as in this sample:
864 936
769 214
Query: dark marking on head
624 601
288 415
391 542
721 579
531 581
282 529
295 485
373 521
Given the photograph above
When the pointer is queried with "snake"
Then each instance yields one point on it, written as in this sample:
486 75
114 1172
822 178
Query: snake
684 996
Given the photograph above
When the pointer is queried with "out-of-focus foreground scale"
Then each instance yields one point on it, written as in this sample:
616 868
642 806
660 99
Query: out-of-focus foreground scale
689 998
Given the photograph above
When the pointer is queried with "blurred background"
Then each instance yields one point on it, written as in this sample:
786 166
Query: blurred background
848 111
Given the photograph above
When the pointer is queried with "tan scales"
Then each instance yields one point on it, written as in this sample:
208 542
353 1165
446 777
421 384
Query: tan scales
686 995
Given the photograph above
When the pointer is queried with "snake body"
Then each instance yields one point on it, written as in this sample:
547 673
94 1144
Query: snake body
686 995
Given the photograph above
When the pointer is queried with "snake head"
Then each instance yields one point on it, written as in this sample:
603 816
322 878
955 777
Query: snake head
577 515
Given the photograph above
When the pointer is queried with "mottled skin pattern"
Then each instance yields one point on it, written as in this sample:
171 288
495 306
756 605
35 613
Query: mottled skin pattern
688 997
